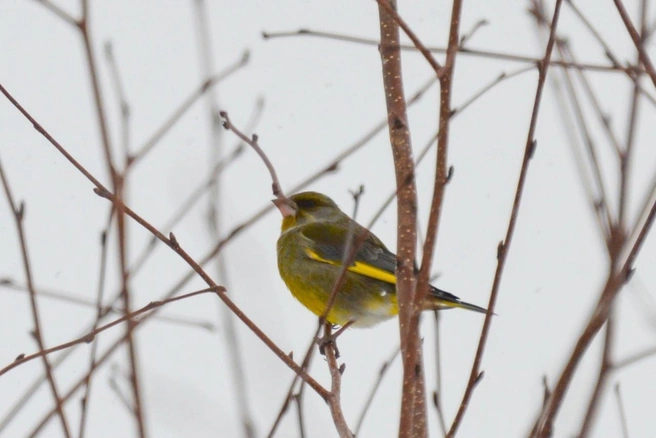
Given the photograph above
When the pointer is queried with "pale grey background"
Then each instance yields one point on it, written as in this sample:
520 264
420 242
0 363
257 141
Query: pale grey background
320 97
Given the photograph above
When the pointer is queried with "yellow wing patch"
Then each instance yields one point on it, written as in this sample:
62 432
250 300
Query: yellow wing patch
359 268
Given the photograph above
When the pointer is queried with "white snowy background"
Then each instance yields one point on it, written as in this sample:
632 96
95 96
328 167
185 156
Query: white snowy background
320 96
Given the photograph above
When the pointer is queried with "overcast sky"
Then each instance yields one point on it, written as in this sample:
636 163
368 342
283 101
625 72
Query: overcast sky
320 96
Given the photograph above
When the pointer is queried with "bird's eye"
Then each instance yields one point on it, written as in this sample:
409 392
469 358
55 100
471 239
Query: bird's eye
306 204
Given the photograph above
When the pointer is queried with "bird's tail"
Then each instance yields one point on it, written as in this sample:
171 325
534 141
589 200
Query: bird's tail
438 299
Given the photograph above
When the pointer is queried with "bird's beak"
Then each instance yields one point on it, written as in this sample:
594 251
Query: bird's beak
286 206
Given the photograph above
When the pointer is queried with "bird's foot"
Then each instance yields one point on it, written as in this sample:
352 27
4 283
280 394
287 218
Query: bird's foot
330 338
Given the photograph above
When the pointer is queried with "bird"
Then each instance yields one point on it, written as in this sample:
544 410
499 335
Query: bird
311 249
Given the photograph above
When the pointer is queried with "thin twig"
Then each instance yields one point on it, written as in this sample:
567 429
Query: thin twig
99 313
236 364
172 243
605 368
437 394
616 279
253 142
305 364
170 122
627 154
18 213
633 359
600 202
89 337
607 50
59 12
439 185
374 389
186 207
298 400
637 40
106 310
123 399
336 372
331 167
504 246
390 9
461 50
622 411
119 88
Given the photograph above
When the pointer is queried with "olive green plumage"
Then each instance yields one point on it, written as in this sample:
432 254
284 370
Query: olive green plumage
311 247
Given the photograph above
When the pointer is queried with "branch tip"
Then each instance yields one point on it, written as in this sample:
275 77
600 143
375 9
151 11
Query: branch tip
20 211
173 240
245 57
531 151
629 274
500 249
449 174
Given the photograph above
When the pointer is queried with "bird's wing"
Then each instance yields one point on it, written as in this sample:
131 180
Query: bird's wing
327 242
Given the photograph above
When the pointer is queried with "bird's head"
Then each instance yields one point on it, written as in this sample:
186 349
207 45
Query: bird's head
306 207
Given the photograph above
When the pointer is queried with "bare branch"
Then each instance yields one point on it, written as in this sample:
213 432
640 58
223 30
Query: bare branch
18 213
505 244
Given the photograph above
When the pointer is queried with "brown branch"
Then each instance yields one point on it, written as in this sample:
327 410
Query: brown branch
595 33
600 202
437 394
457 110
390 9
633 359
331 167
118 181
275 185
18 213
121 98
173 244
186 207
374 389
290 393
99 314
89 337
630 70
412 423
637 40
72 299
605 368
68 18
170 122
236 365
336 371
123 398
298 400
504 246
625 157
616 279
622 411
439 184
596 197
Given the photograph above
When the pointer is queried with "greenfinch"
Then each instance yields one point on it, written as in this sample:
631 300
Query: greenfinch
314 237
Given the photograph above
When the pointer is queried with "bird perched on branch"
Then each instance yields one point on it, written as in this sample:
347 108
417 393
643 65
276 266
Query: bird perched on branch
315 240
